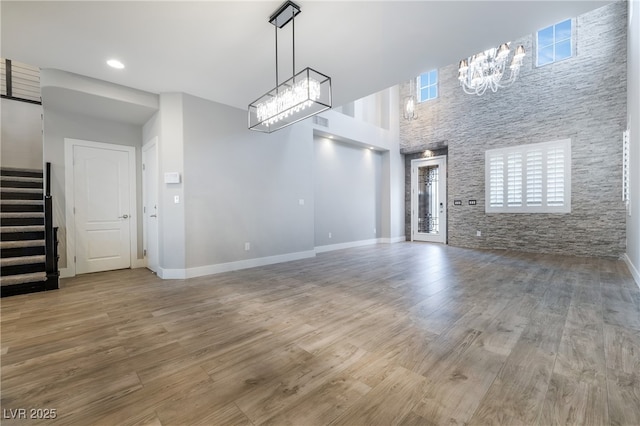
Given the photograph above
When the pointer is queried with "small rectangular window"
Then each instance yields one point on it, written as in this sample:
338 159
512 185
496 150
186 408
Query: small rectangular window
554 43
428 86
532 178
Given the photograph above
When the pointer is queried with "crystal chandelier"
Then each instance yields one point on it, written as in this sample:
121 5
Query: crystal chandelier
305 94
486 69
409 103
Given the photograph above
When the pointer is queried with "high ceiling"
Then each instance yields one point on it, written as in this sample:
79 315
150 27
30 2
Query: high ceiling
225 51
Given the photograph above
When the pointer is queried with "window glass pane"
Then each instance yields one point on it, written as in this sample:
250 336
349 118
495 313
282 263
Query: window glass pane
545 55
433 77
545 37
563 50
563 30
424 80
424 94
433 92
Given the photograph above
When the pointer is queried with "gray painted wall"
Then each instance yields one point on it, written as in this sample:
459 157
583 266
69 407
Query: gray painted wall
633 122
347 188
21 136
59 125
582 98
241 186
171 215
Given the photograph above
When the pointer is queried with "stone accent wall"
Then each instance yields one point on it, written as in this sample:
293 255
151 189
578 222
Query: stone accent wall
582 98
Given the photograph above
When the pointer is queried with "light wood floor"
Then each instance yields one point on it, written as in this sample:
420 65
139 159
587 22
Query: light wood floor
409 333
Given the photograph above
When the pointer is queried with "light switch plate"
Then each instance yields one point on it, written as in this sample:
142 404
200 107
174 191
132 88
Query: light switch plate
172 177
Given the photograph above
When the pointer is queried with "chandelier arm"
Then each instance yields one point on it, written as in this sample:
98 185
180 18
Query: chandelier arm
293 42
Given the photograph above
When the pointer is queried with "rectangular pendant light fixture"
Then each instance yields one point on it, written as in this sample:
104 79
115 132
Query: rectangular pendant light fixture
304 94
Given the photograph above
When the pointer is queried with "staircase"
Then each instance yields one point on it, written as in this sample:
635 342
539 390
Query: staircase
28 248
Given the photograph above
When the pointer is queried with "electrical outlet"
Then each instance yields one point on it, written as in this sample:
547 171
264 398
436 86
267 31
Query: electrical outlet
478 234
247 246
176 199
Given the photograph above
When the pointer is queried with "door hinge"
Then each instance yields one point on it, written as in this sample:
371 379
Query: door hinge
74 259
144 252
143 166
74 210
144 209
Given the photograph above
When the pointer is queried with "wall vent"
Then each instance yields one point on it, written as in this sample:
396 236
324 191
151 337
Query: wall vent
320 121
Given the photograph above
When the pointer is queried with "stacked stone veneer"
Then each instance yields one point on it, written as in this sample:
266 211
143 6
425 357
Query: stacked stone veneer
582 98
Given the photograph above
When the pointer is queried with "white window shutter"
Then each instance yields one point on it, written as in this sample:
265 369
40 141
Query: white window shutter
496 181
533 178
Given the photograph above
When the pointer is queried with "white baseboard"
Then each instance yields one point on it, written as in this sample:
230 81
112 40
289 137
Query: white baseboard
172 274
180 274
246 264
66 273
392 240
350 244
632 268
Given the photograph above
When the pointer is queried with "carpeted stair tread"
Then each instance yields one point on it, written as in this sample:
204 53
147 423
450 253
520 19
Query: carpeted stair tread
23 202
22 260
20 179
26 228
21 244
23 278
17 215
23 190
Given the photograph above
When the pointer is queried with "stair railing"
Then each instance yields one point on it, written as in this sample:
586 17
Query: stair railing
50 235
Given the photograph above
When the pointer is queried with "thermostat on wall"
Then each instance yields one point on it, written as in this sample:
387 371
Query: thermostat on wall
172 177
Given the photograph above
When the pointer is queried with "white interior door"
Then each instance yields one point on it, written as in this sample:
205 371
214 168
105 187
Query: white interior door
429 199
150 203
101 180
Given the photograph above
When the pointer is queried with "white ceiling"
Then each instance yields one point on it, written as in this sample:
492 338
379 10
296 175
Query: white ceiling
225 51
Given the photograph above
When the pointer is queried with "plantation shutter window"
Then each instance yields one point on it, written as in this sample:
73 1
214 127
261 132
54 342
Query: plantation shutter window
532 178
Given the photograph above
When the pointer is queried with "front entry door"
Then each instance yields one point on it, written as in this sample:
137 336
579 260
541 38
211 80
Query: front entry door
102 209
429 199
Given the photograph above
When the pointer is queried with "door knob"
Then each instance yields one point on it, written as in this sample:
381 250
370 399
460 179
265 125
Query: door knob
124 216
153 215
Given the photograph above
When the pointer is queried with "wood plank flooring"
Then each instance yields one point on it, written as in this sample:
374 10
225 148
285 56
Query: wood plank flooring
408 334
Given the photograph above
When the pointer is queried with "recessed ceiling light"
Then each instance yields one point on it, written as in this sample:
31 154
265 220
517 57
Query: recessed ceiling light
330 137
371 148
114 63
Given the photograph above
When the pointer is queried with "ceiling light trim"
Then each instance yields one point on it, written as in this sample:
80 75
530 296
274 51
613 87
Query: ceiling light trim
115 63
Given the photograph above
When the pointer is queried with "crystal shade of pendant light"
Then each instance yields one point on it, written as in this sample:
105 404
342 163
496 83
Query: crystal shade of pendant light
409 102
304 94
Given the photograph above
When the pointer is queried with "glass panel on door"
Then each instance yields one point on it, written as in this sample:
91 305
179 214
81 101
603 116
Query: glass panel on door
428 200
